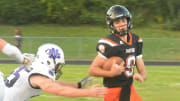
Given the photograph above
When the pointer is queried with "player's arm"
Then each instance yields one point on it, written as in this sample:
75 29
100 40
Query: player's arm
97 70
142 74
50 86
11 50
70 84
84 83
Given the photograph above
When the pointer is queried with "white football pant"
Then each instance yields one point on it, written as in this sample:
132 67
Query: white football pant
2 85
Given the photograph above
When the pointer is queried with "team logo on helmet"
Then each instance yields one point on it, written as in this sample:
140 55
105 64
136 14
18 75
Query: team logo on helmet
54 53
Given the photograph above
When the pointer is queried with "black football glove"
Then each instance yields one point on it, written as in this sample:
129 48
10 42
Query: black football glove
85 82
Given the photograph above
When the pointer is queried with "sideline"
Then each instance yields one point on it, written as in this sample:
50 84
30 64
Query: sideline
86 62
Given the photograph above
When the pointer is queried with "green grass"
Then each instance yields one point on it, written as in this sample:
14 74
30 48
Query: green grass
163 83
153 31
161 50
83 47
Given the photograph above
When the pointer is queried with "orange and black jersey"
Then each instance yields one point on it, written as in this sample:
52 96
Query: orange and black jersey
112 45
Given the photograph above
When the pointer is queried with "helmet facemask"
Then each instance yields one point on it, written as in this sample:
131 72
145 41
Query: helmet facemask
58 71
58 68
122 32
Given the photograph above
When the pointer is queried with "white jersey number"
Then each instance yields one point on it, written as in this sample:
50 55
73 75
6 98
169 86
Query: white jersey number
130 63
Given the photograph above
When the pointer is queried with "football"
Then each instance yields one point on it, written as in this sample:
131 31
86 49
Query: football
109 62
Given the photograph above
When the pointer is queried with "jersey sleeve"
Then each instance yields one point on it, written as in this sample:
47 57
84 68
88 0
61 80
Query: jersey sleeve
41 69
103 47
139 47
13 51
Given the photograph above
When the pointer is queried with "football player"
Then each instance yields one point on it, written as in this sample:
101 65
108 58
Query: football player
12 51
26 82
125 44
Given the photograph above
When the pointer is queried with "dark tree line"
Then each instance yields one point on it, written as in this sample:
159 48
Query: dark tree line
76 12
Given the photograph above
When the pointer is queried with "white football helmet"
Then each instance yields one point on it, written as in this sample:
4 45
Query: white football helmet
52 56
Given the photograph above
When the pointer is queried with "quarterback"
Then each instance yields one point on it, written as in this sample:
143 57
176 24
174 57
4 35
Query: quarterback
126 45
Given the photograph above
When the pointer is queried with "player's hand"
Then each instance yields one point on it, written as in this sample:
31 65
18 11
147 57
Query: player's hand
138 77
117 69
28 59
85 82
95 91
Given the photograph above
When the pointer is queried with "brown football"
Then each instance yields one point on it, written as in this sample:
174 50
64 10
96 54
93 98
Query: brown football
108 63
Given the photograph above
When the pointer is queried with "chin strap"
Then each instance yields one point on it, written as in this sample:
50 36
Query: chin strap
122 33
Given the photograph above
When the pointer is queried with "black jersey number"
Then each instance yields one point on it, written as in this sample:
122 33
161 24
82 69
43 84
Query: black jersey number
130 63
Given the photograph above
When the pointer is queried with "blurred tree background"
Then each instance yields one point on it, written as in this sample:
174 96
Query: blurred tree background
78 12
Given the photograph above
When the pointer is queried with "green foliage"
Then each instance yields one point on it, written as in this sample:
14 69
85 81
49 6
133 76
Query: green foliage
75 12
20 11
174 24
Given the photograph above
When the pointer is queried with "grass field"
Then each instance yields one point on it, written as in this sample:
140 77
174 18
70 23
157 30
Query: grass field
52 30
163 83
83 47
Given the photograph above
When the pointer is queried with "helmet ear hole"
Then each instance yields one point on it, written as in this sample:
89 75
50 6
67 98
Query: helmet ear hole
48 62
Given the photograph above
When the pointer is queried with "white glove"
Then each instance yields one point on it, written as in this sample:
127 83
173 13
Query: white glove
28 59
85 82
